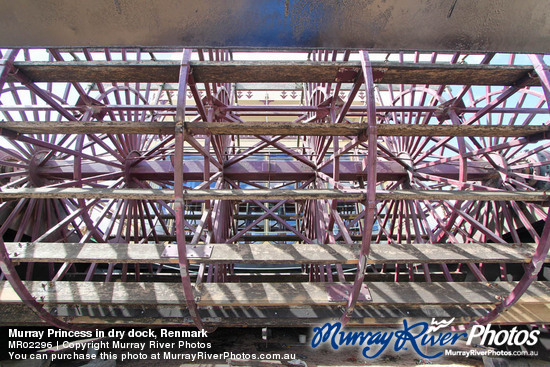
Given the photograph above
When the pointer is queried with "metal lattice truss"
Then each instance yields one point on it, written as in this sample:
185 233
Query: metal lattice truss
275 188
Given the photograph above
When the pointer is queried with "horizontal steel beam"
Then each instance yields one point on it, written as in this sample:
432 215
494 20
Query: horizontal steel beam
269 110
468 25
262 170
271 194
273 71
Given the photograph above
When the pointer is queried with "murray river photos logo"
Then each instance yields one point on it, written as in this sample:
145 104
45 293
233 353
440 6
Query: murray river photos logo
416 337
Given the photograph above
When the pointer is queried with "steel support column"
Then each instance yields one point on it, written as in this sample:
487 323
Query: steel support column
179 204
370 204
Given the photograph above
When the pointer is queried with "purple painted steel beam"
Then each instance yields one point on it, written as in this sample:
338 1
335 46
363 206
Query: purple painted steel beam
370 209
352 144
281 147
499 100
6 65
274 215
269 212
57 55
6 265
9 271
262 170
462 177
196 96
54 147
544 75
531 272
23 79
205 153
541 252
336 178
270 110
179 204
100 88
488 57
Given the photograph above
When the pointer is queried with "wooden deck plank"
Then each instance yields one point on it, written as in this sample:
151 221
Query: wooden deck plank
12 314
269 253
272 72
270 194
268 128
271 294
525 314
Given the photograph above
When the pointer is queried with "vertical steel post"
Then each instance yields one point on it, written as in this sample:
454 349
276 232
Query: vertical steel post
6 65
179 204
370 205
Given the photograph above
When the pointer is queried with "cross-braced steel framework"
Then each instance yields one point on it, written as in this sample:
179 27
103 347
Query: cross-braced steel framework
209 187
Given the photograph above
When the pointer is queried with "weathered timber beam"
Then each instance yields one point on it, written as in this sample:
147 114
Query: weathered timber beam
269 253
269 128
271 72
463 195
270 294
462 130
270 194
12 314
288 128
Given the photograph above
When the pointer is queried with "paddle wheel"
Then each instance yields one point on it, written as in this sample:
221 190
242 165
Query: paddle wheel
221 187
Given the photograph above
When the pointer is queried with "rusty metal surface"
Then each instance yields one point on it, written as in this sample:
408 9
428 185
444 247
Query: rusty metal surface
488 25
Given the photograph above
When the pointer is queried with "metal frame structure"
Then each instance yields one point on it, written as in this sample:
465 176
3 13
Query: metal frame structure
123 170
